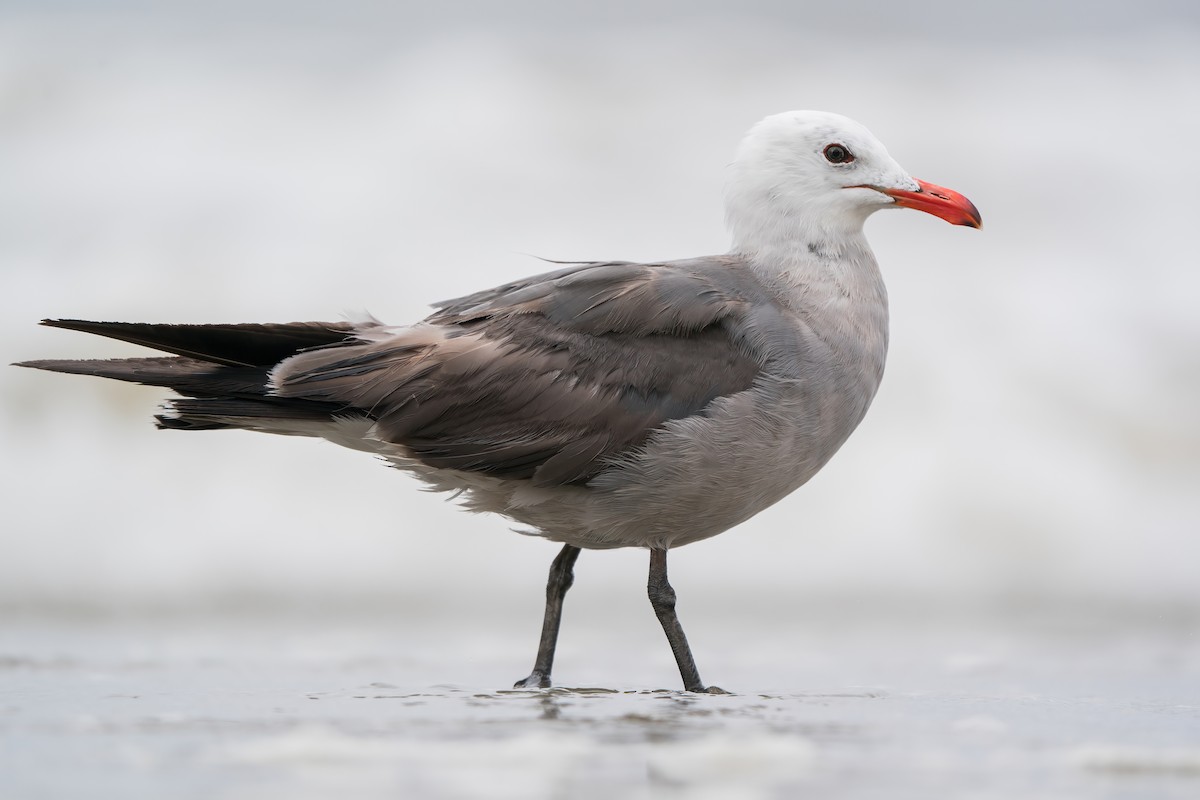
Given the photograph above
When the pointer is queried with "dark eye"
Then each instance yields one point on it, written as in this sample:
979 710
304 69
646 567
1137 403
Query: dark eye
838 154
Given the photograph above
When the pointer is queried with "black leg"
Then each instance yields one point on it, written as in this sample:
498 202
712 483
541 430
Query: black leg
662 598
561 577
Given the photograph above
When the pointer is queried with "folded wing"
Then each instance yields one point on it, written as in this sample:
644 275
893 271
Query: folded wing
547 379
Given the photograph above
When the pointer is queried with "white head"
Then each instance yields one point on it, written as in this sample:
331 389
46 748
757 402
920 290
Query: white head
806 178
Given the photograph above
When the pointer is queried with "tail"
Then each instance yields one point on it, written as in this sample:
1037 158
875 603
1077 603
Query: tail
223 370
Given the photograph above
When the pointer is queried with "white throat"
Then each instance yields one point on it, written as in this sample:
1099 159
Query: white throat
777 224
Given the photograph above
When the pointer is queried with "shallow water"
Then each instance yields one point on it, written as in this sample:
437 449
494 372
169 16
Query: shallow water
261 706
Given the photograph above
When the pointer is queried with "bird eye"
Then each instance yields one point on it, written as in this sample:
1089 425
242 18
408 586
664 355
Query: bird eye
838 154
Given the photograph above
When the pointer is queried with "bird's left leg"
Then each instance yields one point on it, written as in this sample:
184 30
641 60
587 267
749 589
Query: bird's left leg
662 598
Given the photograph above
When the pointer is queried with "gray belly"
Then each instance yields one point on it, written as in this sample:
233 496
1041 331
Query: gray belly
702 475
698 476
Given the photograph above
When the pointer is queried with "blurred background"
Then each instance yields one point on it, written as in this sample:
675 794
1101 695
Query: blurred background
1035 445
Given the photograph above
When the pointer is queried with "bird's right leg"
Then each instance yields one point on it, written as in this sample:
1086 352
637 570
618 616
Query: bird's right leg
562 575
662 599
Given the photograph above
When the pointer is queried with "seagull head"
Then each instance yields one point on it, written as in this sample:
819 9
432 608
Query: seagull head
815 177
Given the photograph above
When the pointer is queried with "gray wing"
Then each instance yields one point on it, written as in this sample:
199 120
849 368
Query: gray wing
546 379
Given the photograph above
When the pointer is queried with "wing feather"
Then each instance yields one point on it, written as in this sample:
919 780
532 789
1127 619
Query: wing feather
547 379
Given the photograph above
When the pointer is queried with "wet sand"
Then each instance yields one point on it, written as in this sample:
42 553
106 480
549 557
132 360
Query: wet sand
264 706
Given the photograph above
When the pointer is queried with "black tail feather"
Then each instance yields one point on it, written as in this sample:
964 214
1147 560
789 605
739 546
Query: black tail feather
221 370
188 376
235 345
215 413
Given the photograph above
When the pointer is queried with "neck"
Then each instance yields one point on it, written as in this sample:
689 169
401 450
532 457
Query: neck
808 256
816 271
766 230
800 249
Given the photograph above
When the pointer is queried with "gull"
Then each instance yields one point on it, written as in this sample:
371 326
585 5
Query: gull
603 404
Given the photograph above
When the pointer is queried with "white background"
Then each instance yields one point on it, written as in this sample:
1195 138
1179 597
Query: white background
1037 437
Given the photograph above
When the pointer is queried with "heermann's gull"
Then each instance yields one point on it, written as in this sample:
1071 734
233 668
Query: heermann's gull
607 404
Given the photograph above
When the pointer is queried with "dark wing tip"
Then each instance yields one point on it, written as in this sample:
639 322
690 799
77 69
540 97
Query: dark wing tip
75 366
66 323
55 364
